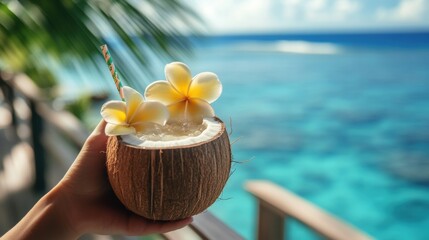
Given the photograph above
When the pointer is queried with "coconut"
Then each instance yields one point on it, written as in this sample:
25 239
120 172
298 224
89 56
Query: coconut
170 178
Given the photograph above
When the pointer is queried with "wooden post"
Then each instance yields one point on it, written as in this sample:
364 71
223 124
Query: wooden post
39 151
9 96
270 223
277 203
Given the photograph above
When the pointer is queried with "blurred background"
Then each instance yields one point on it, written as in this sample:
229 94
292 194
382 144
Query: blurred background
327 98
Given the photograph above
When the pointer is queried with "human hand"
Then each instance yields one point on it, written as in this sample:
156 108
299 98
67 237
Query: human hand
83 202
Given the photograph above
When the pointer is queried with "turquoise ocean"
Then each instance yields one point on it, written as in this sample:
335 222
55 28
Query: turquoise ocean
342 120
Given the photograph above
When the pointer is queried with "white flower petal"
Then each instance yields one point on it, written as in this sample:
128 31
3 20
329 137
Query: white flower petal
133 99
142 127
179 76
163 92
205 86
116 130
197 110
154 112
177 112
114 112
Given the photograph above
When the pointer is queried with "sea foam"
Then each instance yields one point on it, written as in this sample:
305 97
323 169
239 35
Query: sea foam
297 47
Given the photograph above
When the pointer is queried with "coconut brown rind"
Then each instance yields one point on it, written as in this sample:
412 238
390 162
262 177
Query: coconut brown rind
169 184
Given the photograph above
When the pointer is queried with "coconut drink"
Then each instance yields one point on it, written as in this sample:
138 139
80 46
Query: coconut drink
168 155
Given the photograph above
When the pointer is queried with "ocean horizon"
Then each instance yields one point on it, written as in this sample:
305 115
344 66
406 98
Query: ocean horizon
385 39
341 119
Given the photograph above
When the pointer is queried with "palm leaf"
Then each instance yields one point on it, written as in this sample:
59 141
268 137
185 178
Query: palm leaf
34 32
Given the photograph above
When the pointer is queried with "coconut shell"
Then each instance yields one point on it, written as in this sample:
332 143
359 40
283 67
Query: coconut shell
169 183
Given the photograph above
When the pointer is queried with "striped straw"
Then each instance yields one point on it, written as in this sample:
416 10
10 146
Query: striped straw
113 71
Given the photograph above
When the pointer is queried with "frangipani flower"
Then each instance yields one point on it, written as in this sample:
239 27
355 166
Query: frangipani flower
133 115
187 99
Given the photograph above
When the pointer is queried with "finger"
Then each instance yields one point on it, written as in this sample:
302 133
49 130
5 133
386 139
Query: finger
93 153
96 142
99 129
88 170
138 225
163 226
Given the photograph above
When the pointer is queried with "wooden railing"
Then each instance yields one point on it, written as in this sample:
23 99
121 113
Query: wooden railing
276 205
58 136
205 226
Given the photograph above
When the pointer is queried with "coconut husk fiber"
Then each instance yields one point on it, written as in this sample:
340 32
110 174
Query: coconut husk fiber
169 183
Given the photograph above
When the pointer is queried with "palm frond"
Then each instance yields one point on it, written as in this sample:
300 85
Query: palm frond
65 30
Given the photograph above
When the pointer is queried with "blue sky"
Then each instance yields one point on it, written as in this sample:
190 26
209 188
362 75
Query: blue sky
255 16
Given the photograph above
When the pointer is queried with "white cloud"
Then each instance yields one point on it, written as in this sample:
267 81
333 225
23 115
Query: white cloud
225 15
405 11
237 16
289 10
324 11
345 7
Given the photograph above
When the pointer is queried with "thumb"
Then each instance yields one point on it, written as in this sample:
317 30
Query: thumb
96 142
